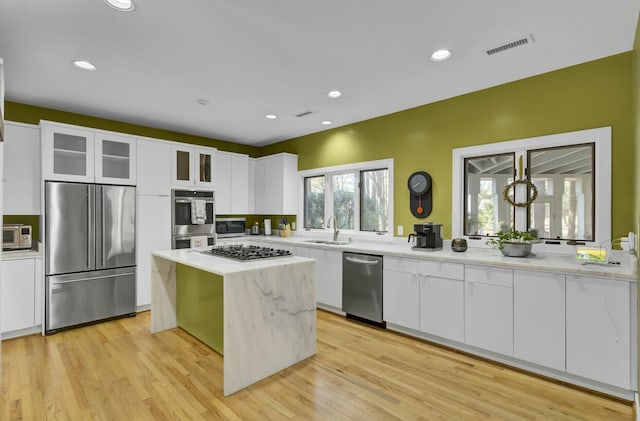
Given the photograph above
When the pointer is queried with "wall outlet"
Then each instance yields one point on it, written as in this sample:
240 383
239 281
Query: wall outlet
400 229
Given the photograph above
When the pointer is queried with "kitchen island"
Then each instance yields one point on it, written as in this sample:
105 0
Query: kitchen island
262 313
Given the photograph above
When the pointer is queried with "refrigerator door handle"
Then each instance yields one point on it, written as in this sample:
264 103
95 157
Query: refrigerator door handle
99 227
91 233
91 278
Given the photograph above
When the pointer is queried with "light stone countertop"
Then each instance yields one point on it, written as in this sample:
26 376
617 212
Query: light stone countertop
20 254
220 265
626 270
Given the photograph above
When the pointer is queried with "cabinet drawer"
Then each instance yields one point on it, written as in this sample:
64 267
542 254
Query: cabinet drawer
442 269
402 264
489 275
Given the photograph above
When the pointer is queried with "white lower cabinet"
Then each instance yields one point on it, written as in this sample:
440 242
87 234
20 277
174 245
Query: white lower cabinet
401 295
153 232
598 329
488 308
539 318
328 274
18 297
442 307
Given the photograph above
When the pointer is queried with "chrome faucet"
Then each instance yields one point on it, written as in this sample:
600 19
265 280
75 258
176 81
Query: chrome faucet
335 227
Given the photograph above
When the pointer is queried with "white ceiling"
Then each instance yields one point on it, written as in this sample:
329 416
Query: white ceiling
254 57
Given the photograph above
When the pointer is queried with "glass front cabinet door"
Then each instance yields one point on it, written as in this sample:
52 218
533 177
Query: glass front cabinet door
68 153
115 159
192 166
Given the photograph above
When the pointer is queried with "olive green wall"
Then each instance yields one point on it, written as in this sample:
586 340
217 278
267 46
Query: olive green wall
32 115
585 96
593 94
636 120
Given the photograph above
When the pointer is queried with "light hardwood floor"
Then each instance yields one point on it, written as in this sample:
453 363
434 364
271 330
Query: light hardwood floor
118 371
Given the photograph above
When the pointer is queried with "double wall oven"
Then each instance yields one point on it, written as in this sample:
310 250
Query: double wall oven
184 223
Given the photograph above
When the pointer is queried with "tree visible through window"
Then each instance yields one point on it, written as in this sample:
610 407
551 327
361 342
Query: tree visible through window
314 202
374 200
357 198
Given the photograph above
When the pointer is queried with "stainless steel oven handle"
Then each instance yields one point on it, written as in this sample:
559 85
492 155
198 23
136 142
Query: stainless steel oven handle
364 262
191 200
91 279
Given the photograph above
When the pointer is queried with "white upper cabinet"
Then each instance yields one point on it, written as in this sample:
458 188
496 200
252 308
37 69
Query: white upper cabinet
231 176
115 158
154 157
21 179
192 166
72 153
68 153
222 177
240 183
276 184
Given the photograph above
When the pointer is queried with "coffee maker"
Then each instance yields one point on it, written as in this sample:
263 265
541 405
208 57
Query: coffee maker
427 237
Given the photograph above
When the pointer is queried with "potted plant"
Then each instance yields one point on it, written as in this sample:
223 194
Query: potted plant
513 243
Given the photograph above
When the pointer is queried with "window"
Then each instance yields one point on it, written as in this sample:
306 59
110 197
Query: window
374 200
571 204
359 196
314 202
485 179
564 179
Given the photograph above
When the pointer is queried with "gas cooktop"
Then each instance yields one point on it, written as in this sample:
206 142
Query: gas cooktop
244 253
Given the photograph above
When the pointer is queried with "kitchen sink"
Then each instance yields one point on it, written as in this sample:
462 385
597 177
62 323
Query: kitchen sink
335 243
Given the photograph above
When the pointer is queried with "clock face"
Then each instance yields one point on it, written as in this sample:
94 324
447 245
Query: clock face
419 183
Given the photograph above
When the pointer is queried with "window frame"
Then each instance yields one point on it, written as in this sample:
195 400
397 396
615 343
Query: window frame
601 137
356 168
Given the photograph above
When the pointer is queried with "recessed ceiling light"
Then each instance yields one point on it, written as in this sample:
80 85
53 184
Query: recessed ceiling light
326 122
440 55
84 65
122 5
202 101
271 116
334 94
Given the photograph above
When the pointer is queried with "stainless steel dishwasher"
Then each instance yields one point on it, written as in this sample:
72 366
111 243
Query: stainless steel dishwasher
362 287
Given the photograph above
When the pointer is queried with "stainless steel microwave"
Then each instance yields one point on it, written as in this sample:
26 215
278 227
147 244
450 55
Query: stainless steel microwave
230 227
16 237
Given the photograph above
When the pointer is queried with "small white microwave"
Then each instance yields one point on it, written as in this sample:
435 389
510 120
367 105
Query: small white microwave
16 237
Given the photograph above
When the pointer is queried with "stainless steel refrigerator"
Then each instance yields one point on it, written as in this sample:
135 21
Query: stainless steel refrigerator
90 253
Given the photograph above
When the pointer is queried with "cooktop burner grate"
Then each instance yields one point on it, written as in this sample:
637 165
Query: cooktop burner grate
244 253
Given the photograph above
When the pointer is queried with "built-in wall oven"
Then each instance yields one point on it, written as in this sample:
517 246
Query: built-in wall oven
193 214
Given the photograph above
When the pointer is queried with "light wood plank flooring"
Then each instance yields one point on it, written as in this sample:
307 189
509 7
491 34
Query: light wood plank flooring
118 371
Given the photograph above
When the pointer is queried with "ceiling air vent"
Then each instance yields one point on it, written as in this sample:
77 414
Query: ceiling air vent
509 45
304 113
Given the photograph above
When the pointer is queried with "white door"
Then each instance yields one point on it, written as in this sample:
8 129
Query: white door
539 318
153 159
222 176
401 298
598 330
153 232
115 159
442 307
489 317
18 294
68 153
203 164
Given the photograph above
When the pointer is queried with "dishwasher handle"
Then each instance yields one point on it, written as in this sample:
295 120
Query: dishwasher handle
362 261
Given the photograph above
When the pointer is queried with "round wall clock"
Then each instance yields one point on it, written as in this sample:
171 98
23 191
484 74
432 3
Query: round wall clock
419 184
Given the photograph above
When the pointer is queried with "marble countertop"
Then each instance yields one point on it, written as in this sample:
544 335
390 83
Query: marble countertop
626 270
220 265
20 254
